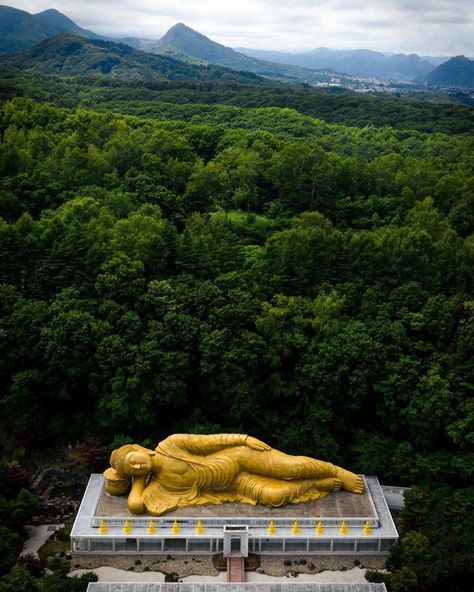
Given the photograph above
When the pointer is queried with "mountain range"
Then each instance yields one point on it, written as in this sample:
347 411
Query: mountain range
362 63
21 31
71 55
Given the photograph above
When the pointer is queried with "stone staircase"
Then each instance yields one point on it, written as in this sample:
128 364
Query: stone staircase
235 569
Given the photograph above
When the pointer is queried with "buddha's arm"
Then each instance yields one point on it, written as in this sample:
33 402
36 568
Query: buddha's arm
207 444
135 499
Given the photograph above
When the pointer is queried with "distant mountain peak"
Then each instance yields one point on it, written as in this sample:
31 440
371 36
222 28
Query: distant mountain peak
182 27
457 71
54 17
51 11
59 20
20 30
180 31
194 44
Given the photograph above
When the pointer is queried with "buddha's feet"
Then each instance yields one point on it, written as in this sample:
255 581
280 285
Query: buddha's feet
350 481
329 484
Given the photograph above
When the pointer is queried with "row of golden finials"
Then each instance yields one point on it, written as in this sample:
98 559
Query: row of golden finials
272 530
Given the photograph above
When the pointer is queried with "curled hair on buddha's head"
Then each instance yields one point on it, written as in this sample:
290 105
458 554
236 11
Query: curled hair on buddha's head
117 458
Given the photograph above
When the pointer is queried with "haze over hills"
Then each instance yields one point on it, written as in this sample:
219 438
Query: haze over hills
20 31
189 45
456 72
180 42
358 62
435 60
71 55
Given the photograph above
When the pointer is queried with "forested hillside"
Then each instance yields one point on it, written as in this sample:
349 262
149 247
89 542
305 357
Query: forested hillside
250 270
194 100
458 71
20 30
70 55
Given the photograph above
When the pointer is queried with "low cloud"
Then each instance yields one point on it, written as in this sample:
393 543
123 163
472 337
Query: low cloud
436 27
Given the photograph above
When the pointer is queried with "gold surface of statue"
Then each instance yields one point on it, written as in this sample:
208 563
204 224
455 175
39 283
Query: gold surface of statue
190 470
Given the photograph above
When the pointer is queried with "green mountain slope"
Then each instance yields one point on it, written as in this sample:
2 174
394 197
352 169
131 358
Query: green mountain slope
195 44
186 44
458 71
64 24
20 30
69 55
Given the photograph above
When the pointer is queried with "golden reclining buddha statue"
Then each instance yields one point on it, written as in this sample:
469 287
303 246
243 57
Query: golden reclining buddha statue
190 470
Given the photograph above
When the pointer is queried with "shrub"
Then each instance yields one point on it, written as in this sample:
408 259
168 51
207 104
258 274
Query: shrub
32 563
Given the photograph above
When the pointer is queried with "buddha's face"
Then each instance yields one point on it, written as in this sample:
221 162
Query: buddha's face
138 464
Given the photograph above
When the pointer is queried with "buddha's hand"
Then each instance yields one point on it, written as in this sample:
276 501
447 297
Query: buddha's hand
255 444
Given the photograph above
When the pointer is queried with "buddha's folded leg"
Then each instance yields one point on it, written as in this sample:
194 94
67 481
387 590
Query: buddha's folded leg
275 493
273 463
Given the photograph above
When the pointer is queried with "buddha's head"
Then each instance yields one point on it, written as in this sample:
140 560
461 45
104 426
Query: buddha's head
132 460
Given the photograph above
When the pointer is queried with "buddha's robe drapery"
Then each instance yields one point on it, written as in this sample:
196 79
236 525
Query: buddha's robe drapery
215 461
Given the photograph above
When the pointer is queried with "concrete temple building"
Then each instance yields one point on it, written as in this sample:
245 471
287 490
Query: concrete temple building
340 523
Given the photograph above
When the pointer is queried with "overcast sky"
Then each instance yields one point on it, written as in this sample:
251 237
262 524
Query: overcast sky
431 27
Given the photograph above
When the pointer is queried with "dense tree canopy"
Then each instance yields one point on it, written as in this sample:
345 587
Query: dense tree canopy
245 269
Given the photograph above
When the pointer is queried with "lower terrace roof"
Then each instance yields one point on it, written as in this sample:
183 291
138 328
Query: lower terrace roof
97 505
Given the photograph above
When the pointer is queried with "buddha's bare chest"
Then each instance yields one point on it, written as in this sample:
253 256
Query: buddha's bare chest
176 474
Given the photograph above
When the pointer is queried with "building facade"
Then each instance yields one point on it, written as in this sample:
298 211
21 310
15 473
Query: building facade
101 528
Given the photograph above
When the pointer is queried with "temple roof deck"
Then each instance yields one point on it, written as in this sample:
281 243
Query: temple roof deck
335 505
98 506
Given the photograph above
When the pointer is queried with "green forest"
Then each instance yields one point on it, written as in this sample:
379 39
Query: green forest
185 99
207 257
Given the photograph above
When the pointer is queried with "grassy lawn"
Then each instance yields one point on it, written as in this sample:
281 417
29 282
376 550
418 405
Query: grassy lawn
51 548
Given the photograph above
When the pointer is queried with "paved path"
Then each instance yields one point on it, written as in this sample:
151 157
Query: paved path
355 576
37 536
111 574
394 496
235 569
